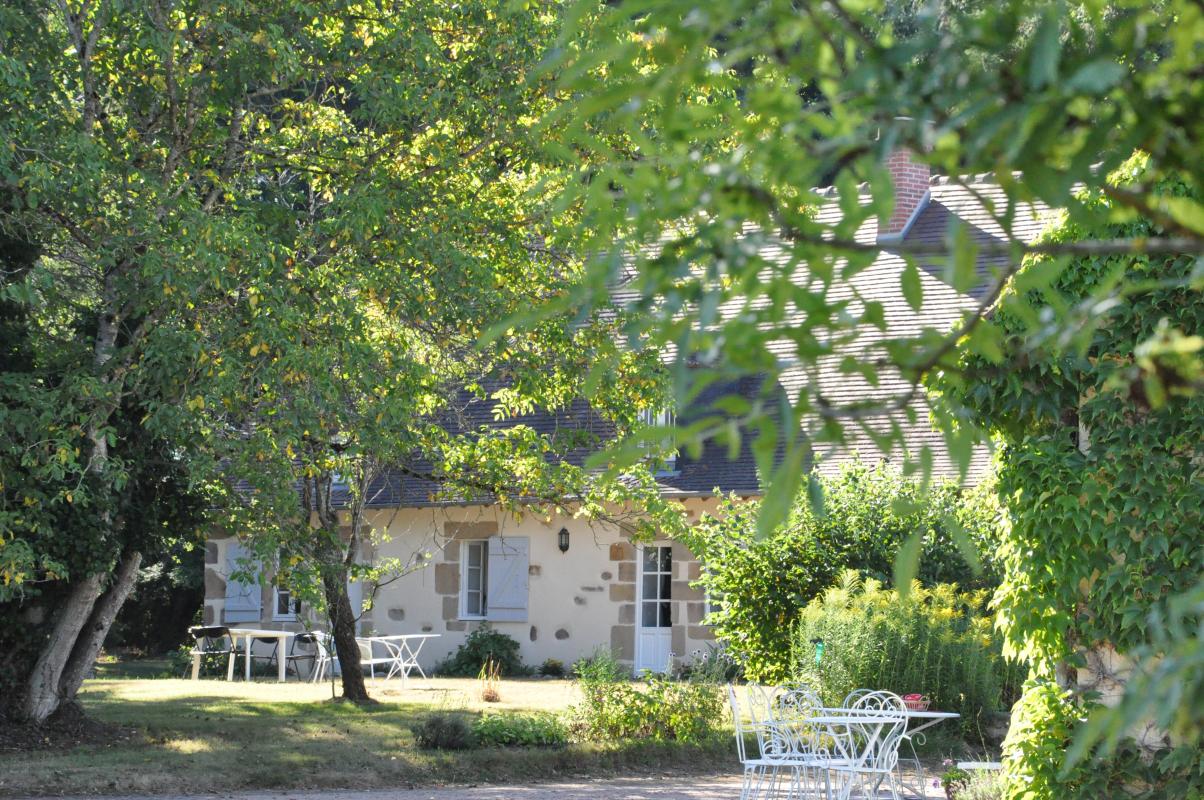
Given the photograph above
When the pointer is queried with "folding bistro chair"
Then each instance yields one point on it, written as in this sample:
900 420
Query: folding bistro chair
209 640
311 647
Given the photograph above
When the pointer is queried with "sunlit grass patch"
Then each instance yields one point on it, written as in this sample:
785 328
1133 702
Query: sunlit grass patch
213 735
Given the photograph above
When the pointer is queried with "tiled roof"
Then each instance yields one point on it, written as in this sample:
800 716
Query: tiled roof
950 203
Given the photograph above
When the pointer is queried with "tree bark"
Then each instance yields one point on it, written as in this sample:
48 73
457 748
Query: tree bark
342 623
42 688
92 637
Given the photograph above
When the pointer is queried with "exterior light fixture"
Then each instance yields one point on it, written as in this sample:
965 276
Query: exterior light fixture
562 539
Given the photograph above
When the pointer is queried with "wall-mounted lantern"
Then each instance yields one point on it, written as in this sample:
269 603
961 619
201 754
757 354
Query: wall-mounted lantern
562 539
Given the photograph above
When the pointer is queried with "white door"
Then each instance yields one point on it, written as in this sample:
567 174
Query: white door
653 624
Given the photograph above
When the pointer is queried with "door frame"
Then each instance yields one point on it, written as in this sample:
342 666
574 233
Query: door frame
639 604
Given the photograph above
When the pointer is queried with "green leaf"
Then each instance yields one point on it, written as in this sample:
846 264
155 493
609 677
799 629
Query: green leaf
775 507
913 289
1186 212
907 564
815 495
964 544
1046 49
1096 77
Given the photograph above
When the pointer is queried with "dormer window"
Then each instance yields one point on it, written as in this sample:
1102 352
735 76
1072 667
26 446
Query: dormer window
662 418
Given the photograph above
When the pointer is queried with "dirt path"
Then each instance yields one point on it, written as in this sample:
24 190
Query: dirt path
724 787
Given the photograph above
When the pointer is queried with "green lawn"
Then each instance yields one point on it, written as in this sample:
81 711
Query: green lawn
212 735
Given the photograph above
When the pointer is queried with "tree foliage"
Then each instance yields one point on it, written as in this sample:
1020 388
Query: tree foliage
1101 477
271 255
721 118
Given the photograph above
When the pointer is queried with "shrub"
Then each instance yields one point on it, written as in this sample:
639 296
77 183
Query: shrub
601 667
519 730
443 731
614 707
938 642
983 785
761 584
552 668
482 645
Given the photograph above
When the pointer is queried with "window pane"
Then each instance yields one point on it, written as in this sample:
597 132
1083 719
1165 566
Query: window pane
665 621
666 590
472 602
282 599
666 556
650 587
650 557
474 554
648 615
484 579
473 578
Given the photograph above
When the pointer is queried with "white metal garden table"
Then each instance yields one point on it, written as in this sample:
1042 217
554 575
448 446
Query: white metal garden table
403 652
860 733
915 735
863 744
248 636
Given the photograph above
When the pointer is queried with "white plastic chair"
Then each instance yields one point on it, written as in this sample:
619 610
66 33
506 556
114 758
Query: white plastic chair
369 659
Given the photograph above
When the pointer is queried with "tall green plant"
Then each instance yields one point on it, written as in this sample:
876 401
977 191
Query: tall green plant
759 585
936 641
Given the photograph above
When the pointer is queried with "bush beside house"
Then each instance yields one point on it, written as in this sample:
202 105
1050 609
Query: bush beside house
761 585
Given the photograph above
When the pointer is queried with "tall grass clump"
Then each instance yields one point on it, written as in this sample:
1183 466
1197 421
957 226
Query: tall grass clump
938 641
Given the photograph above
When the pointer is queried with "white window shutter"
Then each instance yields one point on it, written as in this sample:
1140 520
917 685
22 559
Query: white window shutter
508 562
242 599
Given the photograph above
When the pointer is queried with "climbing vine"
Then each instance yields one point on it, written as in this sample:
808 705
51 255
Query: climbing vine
1102 476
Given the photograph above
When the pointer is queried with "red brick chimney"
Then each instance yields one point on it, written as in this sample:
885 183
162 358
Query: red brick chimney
910 178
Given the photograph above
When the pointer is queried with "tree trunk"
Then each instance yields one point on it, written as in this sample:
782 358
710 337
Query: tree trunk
342 623
42 688
90 640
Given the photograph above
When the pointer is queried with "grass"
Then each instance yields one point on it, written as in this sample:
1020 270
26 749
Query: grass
212 736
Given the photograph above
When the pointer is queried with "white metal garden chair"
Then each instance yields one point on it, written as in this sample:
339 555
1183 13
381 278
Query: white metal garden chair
866 735
793 756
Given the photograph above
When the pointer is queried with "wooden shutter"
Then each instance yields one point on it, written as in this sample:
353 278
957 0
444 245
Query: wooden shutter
508 563
242 599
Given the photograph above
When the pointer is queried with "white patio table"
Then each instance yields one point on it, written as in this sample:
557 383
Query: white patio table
248 635
841 721
861 741
403 652
915 735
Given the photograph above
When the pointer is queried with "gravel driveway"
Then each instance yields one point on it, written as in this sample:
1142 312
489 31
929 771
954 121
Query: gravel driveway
675 787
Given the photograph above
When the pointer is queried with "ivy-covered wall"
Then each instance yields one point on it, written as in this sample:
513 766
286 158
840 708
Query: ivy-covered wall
1102 475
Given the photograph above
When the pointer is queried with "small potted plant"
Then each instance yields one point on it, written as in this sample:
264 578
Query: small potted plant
953 779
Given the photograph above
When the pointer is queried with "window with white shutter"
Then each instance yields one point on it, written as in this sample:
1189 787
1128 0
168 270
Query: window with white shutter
509 559
242 599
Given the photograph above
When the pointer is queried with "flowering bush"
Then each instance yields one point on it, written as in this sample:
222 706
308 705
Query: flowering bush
937 641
